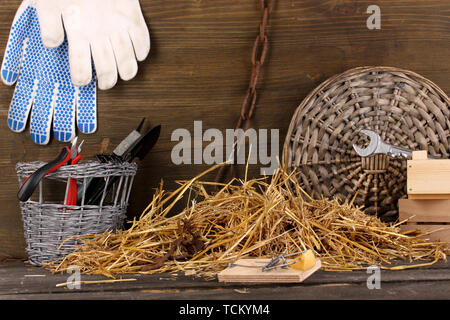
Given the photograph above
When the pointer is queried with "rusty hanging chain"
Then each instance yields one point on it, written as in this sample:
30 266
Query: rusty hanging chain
259 54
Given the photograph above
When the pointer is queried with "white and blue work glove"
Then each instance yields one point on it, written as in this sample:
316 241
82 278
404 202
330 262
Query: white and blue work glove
44 84
111 33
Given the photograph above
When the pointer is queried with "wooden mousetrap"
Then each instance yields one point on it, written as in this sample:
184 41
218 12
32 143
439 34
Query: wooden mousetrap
260 270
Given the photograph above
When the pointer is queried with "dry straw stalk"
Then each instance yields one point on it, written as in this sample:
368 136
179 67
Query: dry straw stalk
248 218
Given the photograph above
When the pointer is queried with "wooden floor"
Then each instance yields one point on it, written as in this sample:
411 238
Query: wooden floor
20 281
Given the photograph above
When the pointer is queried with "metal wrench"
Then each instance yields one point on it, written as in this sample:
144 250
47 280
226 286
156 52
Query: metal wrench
378 146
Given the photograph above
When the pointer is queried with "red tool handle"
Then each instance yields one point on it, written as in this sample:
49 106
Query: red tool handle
72 195
30 184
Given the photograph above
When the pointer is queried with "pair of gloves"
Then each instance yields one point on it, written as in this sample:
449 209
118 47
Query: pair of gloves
58 50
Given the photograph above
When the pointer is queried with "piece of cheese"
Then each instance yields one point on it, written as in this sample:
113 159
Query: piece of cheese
307 261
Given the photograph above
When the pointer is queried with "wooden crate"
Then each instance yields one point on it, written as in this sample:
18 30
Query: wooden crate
432 215
428 178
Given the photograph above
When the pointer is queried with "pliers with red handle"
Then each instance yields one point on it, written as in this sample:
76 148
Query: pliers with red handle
75 156
29 185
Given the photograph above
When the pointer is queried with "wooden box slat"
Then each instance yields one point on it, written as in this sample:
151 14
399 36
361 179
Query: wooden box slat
424 210
428 176
428 216
438 232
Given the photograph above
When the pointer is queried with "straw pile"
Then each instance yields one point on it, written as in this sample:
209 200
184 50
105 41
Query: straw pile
249 218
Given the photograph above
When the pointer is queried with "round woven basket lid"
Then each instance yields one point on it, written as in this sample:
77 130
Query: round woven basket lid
404 108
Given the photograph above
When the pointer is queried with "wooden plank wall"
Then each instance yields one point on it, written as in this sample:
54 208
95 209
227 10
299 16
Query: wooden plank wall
199 68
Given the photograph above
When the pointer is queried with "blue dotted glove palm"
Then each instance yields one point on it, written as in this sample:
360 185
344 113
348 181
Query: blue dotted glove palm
44 84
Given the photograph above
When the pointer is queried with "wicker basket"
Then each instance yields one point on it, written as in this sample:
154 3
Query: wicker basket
406 109
49 226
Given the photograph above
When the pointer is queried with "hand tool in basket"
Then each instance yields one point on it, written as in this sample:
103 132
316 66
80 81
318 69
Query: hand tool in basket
378 146
93 184
144 145
75 157
126 144
30 184
139 150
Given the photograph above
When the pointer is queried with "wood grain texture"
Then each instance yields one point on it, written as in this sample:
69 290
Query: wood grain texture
430 216
199 68
436 232
424 210
432 196
22 281
426 177
250 270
